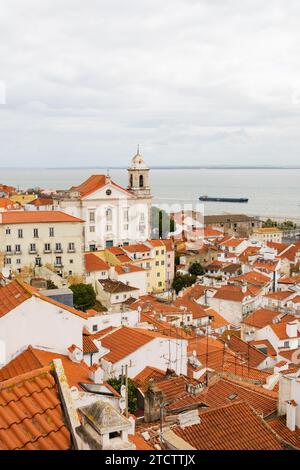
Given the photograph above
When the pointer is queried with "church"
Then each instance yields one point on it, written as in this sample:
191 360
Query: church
113 215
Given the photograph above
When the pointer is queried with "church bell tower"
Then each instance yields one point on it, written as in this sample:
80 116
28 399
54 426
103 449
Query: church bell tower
138 177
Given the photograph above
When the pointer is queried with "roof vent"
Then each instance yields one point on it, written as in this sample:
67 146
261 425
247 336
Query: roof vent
232 396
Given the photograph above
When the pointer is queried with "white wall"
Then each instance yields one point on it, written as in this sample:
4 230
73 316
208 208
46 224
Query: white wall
40 324
156 353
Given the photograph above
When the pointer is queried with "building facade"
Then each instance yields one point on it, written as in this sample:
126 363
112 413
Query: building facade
42 238
113 215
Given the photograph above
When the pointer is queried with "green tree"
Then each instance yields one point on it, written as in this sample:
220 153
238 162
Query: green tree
196 269
84 296
183 280
132 392
51 285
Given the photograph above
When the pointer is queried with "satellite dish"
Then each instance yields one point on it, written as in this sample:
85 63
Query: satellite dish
5 273
123 391
122 404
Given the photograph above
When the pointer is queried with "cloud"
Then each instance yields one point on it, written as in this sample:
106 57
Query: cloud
193 81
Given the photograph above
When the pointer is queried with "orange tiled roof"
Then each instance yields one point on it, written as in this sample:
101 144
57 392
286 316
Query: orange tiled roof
280 330
232 293
261 317
31 417
137 248
128 268
279 295
223 391
266 344
12 295
248 352
148 373
88 346
92 184
6 203
29 217
34 358
94 263
279 426
125 341
230 427
38 202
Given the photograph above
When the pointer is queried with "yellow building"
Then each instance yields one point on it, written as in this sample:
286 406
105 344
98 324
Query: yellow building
23 199
267 234
158 265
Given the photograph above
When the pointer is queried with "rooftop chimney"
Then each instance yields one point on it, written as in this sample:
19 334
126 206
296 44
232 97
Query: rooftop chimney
291 408
292 329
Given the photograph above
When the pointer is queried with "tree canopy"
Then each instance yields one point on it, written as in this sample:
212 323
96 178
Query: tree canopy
84 296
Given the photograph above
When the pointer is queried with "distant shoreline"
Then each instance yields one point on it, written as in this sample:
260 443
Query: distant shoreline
107 167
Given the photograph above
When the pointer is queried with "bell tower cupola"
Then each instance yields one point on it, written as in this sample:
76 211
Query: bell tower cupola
138 176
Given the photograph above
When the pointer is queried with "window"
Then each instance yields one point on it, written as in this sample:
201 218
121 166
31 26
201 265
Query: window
141 181
32 248
36 233
126 215
20 233
7 231
18 248
92 228
58 261
71 246
158 275
71 261
160 284
18 261
162 263
286 344
156 263
117 297
8 261
162 252
95 328
8 248
47 248
108 215
157 252
108 228
51 232
92 217
58 247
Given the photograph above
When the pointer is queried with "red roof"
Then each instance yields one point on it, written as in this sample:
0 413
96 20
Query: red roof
29 217
261 317
223 391
31 416
94 183
94 263
15 293
33 358
125 341
137 248
38 202
230 427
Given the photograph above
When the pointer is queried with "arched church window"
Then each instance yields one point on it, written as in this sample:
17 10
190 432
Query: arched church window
131 180
141 181
108 214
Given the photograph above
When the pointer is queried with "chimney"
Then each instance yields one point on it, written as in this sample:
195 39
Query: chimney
291 408
292 329
75 353
152 403
244 287
96 374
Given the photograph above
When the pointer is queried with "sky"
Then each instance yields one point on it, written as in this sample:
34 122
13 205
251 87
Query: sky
194 82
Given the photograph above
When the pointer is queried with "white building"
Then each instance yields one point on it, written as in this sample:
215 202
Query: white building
29 318
113 215
40 238
138 348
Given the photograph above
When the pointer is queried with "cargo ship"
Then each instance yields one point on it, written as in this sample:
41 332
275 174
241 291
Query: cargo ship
223 199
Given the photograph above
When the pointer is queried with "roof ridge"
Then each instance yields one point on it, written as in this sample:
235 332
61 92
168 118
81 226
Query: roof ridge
12 382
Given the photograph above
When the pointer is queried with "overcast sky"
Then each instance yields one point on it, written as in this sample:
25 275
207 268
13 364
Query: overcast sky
192 81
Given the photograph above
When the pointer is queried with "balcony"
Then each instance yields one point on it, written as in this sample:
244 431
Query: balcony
18 252
71 250
58 250
47 252
58 265
32 251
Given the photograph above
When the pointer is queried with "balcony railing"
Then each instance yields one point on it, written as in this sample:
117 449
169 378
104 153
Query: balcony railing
58 250
32 251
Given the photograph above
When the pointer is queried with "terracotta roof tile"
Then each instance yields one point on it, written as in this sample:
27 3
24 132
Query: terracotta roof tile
231 427
279 426
224 391
12 295
95 263
125 341
261 317
30 413
29 217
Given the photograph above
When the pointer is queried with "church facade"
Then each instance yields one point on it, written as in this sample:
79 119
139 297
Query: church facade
112 215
